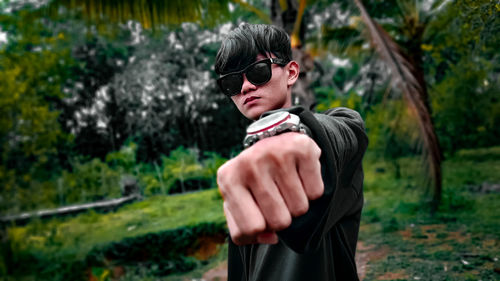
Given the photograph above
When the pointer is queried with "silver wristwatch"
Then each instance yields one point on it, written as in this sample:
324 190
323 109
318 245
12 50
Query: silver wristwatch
274 124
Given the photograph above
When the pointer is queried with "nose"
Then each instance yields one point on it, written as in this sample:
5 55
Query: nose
247 86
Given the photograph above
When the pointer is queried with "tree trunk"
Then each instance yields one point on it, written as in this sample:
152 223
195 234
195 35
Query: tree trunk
286 19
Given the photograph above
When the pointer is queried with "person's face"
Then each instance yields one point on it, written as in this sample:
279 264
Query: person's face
254 100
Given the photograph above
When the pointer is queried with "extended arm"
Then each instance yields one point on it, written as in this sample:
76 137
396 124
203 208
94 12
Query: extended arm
280 178
341 136
268 184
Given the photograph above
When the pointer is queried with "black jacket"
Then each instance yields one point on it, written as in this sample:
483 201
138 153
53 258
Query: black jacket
321 244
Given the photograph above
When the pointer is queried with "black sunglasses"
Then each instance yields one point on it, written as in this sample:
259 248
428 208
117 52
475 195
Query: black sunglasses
257 73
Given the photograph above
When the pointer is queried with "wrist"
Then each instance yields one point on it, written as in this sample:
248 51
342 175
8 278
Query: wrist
274 124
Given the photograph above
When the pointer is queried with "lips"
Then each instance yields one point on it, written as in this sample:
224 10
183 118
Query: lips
249 99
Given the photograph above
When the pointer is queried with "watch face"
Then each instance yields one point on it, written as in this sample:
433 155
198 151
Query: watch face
268 122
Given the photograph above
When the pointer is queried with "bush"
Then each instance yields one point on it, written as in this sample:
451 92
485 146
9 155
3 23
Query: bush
94 180
90 181
182 171
163 253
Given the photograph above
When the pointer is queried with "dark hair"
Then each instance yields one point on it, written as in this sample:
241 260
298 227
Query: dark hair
244 43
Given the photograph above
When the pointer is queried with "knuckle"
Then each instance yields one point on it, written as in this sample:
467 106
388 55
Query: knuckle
253 229
220 174
223 192
298 140
235 234
261 195
222 187
317 151
317 192
245 156
281 223
238 239
223 173
265 156
313 147
300 209
248 166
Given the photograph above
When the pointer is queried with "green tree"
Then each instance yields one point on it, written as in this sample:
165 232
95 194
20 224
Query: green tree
98 56
463 64
33 65
166 97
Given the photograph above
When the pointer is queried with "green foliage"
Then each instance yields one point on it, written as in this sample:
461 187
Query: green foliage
328 99
454 43
466 106
62 80
478 154
342 82
150 14
161 228
166 97
400 201
163 252
463 64
35 64
181 163
211 164
183 171
32 67
88 112
88 181
65 248
125 158
65 109
391 129
415 243
92 179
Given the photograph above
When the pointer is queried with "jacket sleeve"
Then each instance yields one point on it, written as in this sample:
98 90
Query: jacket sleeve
340 134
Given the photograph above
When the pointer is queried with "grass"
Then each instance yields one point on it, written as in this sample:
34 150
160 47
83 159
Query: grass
72 239
399 238
459 242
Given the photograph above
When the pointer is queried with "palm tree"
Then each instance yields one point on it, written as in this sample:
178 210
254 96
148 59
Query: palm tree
150 13
407 73
288 15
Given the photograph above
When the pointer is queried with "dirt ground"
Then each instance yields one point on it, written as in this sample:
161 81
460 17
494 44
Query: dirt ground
479 259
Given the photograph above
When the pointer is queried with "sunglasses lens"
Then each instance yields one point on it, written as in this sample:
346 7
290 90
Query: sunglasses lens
259 74
231 84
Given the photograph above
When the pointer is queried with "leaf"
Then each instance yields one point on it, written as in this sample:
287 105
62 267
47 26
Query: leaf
407 77
150 13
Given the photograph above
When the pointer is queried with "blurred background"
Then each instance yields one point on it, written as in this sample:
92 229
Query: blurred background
112 130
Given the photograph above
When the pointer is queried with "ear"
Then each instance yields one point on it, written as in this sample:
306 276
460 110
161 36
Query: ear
293 72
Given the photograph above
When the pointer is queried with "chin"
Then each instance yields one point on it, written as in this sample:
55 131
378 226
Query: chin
254 113
252 117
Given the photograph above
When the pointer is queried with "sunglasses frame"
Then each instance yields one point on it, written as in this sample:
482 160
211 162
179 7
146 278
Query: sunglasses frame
268 61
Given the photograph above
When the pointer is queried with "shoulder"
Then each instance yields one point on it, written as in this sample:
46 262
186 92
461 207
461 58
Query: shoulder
342 114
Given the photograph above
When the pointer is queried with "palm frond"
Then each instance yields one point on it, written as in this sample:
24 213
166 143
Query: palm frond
150 13
263 16
298 24
410 81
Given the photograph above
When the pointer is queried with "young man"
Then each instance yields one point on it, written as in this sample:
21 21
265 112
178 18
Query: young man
293 198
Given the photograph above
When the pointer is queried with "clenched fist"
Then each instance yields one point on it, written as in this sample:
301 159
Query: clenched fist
268 184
